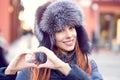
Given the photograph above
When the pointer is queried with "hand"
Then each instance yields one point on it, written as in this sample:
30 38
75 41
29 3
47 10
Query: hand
18 63
53 62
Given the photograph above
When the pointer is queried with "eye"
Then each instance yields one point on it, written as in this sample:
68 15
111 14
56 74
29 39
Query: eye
71 28
61 30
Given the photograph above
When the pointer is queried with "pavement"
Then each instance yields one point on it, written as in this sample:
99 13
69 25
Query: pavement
108 64
108 61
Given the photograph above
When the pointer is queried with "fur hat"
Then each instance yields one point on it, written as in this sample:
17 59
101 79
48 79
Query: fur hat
57 15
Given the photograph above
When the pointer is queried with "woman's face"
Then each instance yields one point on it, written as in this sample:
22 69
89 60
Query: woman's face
66 39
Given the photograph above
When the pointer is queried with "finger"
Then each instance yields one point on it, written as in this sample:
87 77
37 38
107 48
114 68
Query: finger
23 53
42 65
27 66
18 57
45 51
30 58
50 54
41 49
32 65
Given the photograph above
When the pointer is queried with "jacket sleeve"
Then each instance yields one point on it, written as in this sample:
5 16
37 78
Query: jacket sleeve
24 74
78 74
95 75
4 76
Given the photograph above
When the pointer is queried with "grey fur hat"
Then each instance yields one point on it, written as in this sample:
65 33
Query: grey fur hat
57 15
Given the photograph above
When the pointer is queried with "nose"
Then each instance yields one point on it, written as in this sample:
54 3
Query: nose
68 33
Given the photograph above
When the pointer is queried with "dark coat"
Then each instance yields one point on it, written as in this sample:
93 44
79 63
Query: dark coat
75 74
3 62
6 77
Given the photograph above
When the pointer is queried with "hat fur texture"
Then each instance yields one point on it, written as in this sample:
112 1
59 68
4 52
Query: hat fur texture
55 17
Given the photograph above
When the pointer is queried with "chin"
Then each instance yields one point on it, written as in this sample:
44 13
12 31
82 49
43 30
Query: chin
70 49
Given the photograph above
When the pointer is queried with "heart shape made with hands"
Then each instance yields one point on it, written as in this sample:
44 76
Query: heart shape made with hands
38 56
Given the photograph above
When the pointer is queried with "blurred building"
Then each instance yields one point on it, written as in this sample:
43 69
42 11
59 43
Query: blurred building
108 23
102 17
9 23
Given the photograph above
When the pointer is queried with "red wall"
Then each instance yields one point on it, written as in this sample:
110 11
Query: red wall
90 18
5 19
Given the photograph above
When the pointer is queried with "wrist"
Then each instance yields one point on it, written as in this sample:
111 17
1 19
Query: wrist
9 71
65 68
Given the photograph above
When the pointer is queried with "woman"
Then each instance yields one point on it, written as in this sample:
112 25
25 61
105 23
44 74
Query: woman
64 44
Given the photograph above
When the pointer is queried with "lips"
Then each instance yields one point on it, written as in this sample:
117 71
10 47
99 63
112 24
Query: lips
68 43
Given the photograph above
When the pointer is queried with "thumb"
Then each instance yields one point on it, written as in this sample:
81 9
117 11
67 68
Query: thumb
32 65
42 65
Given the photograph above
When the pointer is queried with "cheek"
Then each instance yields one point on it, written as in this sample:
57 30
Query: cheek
59 38
75 34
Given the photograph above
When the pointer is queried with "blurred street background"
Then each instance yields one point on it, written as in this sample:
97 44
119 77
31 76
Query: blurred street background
108 64
102 23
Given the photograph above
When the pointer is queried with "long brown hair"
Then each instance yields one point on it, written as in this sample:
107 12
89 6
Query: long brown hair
44 73
82 60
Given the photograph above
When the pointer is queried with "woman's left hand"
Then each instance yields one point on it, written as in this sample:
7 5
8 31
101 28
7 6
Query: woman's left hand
53 62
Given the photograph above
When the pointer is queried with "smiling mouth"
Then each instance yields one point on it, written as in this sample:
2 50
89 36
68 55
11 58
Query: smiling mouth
68 43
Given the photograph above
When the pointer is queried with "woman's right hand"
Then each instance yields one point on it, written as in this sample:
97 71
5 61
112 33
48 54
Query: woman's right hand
18 63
